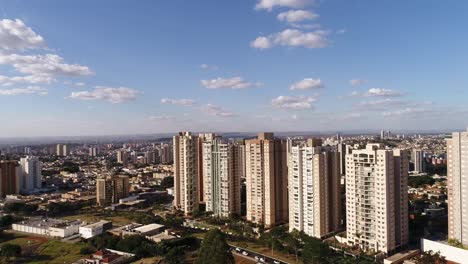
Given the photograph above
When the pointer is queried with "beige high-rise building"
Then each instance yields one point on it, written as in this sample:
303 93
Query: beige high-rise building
457 183
377 198
110 190
221 173
122 156
59 150
202 138
186 180
266 180
314 190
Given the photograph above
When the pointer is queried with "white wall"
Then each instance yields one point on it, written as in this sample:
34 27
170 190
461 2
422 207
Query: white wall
450 253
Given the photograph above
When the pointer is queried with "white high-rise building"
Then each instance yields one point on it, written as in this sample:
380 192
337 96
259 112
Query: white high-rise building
377 198
93 151
457 185
31 177
186 194
314 190
221 174
418 160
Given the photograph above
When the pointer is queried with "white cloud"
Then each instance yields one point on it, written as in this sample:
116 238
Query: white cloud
356 82
381 92
15 35
377 92
307 84
262 43
404 111
216 111
306 26
381 104
294 16
293 103
292 38
229 83
270 4
184 102
44 65
27 90
34 79
109 94
208 67
79 84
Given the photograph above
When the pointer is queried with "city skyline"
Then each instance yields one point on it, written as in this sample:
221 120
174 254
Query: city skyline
116 68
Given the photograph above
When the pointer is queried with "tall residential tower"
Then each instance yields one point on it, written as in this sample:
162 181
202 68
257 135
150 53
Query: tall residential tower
266 180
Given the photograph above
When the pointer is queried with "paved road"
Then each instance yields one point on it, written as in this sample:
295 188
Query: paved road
252 254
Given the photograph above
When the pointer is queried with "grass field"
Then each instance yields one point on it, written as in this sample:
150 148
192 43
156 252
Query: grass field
56 252
41 250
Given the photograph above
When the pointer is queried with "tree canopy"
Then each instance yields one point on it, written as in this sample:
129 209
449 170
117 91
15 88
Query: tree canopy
214 249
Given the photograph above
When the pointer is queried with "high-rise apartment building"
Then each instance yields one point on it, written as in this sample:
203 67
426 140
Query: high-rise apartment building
59 150
122 156
10 173
266 180
93 151
457 185
418 160
62 150
166 154
186 179
31 177
202 138
110 190
222 170
377 198
314 190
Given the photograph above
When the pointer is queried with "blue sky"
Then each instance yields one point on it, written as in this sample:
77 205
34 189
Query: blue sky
130 67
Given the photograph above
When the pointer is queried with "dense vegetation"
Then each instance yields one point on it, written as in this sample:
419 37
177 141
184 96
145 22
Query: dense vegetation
214 249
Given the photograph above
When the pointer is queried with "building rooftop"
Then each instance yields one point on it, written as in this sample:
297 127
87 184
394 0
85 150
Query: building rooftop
147 228
101 222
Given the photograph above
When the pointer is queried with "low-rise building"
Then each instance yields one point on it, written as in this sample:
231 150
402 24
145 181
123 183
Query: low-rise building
94 229
48 227
107 256
146 230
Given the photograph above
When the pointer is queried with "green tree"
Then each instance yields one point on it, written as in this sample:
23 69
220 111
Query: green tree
175 255
10 250
430 257
315 251
292 242
214 249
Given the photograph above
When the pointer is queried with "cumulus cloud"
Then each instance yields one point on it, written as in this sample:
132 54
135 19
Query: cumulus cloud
307 84
216 111
356 82
377 92
15 35
44 65
293 103
184 102
229 83
292 38
270 4
34 79
109 94
294 16
27 90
